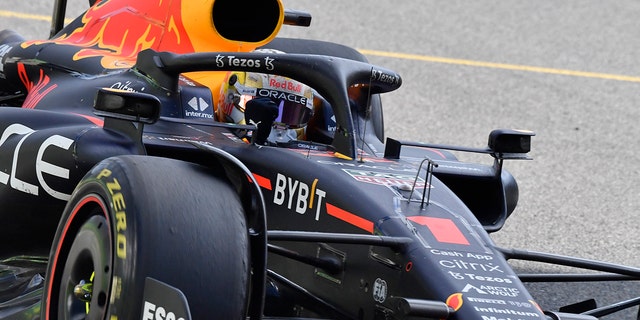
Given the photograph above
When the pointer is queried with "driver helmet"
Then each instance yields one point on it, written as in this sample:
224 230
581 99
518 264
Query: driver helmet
293 98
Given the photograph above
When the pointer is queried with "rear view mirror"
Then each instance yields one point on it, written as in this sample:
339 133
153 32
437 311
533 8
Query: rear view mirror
509 143
127 105
127 112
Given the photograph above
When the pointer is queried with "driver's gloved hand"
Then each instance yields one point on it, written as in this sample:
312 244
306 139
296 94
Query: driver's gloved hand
261 112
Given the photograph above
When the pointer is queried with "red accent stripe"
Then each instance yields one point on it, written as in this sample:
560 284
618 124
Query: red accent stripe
262 181
350 218
438 152
36 91
97 121
444 230
71 218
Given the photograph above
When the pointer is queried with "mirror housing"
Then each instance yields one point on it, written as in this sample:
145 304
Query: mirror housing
510 143
127 105
127 112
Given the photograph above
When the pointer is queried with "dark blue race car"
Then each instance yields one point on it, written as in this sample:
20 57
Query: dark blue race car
165 160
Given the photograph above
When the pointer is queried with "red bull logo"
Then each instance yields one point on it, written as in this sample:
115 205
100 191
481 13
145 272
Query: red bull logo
285 84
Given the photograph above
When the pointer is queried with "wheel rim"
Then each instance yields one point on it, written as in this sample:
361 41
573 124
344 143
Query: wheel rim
87 267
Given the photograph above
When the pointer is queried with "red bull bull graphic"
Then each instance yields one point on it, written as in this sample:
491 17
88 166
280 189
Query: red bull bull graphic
36 90
116 31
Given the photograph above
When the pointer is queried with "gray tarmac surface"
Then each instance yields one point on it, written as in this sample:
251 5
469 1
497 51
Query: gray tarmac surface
567 70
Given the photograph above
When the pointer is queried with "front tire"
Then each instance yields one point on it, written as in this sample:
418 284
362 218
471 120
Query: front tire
134 218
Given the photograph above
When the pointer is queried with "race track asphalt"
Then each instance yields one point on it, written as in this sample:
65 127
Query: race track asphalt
567 70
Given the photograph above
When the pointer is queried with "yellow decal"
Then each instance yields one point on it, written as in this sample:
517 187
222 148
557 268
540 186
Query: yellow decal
313 193
119 206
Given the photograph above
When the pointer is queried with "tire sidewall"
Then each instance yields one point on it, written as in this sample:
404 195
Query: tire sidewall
198 245
104 188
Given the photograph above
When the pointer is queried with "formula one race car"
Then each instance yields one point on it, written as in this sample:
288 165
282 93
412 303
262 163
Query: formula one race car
165 160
